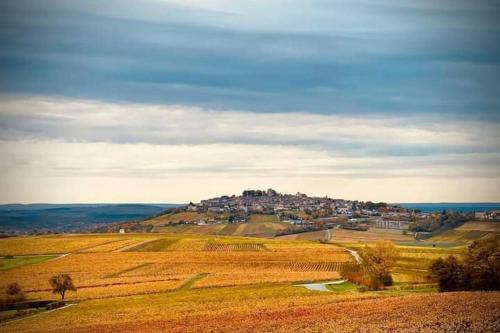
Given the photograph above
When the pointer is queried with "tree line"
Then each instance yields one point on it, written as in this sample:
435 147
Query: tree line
479 270
446 219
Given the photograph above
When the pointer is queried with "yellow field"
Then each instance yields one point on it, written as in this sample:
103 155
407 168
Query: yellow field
352 236
160 262
65 244
194 283
480 225
468 232
412 263
342 235
271 308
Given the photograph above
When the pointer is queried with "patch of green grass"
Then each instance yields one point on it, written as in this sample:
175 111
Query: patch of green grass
6 316
14 262
117 274
189 283
343 287
261 218
431 244
405 288
229 229
158 245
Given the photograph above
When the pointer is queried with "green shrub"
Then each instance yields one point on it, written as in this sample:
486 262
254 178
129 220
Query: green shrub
362 289
387 280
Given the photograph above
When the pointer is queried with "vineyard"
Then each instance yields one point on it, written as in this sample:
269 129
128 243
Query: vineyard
192 283
122 265
272 308
66 244
233 247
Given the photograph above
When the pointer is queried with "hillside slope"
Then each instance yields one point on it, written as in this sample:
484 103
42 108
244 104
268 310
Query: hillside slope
258 225
468 232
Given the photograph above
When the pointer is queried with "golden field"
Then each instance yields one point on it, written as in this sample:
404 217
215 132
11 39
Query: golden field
198 283
159 263
272 308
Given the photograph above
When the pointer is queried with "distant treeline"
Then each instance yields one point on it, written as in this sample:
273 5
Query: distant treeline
445 220
63 218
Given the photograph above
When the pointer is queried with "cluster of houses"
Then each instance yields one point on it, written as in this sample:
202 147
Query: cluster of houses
488 215
316 210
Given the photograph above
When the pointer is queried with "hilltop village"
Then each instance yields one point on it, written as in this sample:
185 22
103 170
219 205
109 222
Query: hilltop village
301 210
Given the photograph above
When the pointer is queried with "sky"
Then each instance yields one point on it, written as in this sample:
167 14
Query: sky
178 101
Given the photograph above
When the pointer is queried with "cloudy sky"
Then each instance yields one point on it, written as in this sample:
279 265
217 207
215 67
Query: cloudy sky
172 101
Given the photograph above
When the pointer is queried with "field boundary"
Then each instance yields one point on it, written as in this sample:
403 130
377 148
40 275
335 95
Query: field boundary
117 274
191 281
131 247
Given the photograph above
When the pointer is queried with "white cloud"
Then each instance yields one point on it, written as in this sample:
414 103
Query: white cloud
52 171
92 121
61 150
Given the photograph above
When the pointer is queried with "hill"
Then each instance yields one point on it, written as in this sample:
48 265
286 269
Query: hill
71 217
258 225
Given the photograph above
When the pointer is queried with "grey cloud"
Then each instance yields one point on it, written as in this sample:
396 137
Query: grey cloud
323 57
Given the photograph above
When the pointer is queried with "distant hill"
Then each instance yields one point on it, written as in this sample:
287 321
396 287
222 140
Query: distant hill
463 207
71 217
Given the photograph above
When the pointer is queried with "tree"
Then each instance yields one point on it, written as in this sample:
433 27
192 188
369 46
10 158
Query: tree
482 264
61 283
379 261
14 292
13 289
449 273
480 270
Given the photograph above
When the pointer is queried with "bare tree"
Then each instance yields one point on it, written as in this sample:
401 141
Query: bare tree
61 283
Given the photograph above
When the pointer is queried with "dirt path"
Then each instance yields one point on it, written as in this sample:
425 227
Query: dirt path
319 286
355 255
